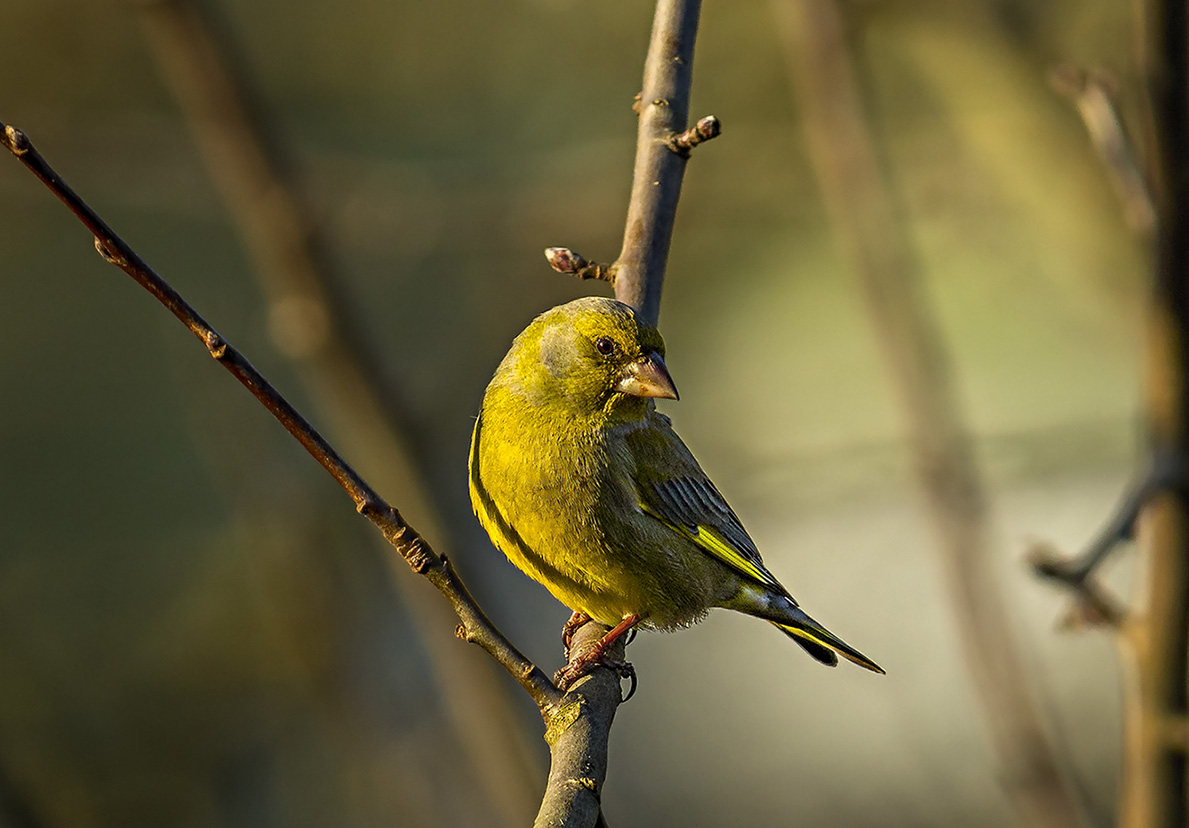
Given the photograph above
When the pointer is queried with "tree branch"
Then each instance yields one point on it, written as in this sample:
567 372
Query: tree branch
578 739
1094 605
663 145
1155 789
663 111
414 549
310 324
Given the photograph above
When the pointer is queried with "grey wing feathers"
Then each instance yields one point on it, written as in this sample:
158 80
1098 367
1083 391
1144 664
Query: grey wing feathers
694 502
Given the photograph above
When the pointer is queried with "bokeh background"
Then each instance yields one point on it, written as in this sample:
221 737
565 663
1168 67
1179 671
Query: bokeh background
196 630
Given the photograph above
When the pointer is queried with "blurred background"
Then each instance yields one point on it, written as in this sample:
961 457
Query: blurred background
197 630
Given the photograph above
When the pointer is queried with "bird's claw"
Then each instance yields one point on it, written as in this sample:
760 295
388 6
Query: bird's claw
582 665
625 671
577 619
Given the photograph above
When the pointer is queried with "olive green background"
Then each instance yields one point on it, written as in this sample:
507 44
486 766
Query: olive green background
196 630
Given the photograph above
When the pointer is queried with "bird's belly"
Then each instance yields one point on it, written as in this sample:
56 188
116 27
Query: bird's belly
585 538
620 565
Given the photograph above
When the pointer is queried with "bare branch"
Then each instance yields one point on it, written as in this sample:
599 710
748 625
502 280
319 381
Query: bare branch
656 182
1094 604
662 148
310 324
414 549
578 738
1155 786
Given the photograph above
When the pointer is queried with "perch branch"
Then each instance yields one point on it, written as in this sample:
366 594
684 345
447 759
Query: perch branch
414 549
578 739
310 324
869 225
662 148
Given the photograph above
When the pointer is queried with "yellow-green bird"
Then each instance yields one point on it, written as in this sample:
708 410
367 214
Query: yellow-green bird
585 486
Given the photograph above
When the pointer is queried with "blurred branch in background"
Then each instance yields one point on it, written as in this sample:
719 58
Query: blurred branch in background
1093 95
865 215
1156 738
1156 700
309 324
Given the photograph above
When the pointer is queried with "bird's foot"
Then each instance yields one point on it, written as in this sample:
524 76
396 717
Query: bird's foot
571 627
579 667
595 656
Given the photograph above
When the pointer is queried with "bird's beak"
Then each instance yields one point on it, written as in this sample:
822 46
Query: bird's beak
647 377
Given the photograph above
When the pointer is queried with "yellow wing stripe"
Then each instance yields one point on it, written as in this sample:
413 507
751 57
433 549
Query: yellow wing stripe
718 546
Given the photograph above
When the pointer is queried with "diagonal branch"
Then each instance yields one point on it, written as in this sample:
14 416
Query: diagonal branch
311 326
414 549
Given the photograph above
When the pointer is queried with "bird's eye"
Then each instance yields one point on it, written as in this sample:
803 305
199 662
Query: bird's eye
604 345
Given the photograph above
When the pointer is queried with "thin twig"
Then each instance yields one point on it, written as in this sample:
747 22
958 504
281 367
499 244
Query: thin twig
870 228
705 129
310 324
1093 95
565 260
414 549
1094 603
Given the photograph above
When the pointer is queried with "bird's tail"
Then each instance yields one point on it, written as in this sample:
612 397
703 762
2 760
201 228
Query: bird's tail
820 642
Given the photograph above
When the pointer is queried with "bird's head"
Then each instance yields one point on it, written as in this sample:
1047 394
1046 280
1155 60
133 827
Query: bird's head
591 355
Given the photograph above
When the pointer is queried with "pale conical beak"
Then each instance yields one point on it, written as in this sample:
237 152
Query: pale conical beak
647 377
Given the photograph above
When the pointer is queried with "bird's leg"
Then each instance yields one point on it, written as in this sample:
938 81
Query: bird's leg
571 627
584 663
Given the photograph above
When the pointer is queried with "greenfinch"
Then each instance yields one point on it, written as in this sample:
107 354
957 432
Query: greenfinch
585 487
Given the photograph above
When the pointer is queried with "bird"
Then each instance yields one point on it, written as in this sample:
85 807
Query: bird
586 487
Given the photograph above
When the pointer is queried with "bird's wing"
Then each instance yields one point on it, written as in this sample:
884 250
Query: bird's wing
673 489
